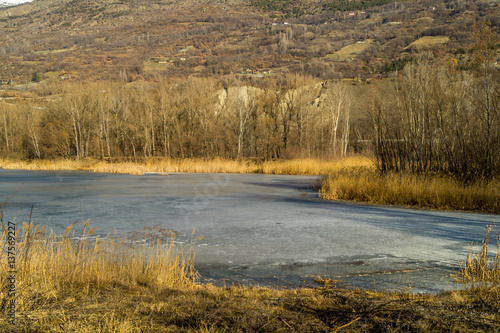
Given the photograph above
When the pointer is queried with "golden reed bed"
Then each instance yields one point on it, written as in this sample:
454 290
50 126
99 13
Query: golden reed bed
196 165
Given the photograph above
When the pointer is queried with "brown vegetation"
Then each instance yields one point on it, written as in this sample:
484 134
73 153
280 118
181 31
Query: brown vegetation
295 116
437 137
433 119
103 285
215 165
481 268
434 192
134 40
441 121
223 87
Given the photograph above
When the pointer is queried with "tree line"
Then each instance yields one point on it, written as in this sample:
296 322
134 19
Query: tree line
440 121
197 117
429 118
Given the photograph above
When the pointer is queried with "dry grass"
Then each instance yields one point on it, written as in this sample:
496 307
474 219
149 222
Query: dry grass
81 288
7 163
408 190
428 41
157 66
193 165
314 166
350 51
149 165
481 267
197 165
57 272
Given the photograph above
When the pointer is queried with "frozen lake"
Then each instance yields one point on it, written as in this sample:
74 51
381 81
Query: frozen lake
259 229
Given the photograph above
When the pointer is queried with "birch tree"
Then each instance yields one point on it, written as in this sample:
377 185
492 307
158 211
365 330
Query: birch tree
337 105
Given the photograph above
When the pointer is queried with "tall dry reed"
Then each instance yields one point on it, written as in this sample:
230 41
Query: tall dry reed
435 192
310 166
196 165
79 263
480 266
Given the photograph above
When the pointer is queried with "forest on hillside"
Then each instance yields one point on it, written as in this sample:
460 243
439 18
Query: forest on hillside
133 40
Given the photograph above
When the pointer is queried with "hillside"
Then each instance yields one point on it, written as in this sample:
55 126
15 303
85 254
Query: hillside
131 39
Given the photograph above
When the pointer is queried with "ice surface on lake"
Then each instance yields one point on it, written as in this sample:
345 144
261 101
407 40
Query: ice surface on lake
258 229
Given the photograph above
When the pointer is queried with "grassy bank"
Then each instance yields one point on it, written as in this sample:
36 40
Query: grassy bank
435 192
218 165
65 284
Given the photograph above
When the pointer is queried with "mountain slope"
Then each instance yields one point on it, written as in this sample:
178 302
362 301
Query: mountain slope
132 39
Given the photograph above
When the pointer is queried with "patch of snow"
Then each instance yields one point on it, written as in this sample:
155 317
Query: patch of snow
10 3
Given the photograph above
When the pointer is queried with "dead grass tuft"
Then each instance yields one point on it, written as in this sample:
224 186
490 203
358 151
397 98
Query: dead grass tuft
481 267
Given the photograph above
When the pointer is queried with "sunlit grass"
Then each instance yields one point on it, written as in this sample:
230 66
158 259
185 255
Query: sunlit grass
54 273
481 266
196 165
315 166
65 284
435 192
217 165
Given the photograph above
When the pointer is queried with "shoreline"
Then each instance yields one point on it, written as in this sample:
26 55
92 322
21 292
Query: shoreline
307 166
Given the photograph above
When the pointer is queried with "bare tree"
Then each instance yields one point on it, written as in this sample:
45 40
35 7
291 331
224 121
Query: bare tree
32 128
79 105
5 127
241 101
484 55
337 104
